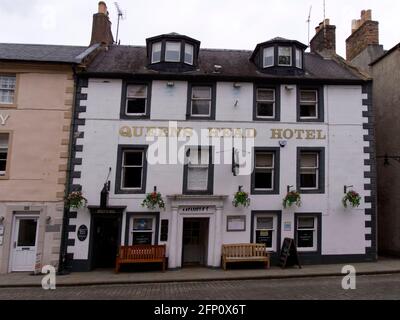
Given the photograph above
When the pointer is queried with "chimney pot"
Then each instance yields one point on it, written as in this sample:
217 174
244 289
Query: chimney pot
101 29
324 40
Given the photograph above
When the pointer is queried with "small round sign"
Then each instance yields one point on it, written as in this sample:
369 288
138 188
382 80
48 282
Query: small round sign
83 233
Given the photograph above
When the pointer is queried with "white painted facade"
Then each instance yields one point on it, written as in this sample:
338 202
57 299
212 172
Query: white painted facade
343 230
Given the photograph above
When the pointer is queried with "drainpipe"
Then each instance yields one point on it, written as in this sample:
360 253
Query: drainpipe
63 260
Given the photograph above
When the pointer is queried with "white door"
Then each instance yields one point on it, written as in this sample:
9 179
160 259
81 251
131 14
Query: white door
24 245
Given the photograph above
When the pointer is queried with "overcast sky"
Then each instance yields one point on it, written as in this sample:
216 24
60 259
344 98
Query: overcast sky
233 24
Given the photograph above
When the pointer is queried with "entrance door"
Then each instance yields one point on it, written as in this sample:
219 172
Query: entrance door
24 245
195 241
105 241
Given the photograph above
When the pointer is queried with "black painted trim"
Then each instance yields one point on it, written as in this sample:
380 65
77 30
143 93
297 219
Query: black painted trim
213 87
321 104
321 177
72 228
306 255
121 150
277 88
278 213
277 161
130 215
80 265
125 85
371 173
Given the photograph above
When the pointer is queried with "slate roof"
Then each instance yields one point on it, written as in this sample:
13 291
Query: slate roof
42 53
235 63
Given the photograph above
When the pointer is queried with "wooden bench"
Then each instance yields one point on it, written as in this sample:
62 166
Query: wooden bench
141 254
245 252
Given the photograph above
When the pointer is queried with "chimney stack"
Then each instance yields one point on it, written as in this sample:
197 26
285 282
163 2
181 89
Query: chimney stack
364 32
324 41
101 30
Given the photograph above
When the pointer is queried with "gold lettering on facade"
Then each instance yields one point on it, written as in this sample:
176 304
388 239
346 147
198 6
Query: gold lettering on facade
298 134
310 134
320 135
288 134
125 132
276 133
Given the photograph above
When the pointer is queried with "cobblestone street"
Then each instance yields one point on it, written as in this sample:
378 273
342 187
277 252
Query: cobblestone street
368 287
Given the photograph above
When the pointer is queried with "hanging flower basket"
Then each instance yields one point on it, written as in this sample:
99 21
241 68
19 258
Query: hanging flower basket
75 200
352 198
293 197
153 200
241 198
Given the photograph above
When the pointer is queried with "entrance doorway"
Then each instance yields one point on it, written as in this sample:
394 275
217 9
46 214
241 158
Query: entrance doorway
105 240
24 243
195 241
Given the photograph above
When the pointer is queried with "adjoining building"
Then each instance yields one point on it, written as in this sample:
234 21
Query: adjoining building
36 105
308 116
365 52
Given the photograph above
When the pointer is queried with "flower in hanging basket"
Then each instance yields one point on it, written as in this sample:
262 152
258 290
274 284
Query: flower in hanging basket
293 197
241 198
352 198
75 200
153 200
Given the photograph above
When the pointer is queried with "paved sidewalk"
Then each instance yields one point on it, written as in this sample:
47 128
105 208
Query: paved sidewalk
383 266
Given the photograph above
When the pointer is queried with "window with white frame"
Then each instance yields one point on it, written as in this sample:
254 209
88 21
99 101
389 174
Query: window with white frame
4 141
308 104
284 56
268 57
309 170
132 169
198 167
306 234
136 99
173 51
201 101
265 230
7 89
299 58
264 171
189 53
156 52
143 230
265 103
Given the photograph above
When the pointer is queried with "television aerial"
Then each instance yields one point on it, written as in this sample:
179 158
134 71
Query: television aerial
121 16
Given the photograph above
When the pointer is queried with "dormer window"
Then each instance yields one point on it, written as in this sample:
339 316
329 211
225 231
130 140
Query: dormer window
156 52
268 57
299 59
189 51
285 56
173 52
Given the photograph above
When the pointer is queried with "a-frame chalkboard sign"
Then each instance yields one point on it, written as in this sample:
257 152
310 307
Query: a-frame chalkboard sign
289 256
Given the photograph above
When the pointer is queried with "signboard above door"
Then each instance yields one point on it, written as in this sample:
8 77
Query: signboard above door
197 210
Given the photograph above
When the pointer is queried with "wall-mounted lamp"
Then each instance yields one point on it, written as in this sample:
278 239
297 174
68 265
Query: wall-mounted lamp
240 188
289 87
282 143
347 187
155 188
288 188
170 84
237 85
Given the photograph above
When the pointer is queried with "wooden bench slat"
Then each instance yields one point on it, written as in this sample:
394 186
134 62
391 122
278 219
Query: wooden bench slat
243 252
141 254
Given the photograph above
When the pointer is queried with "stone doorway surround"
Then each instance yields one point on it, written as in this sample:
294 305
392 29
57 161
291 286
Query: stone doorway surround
205 206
